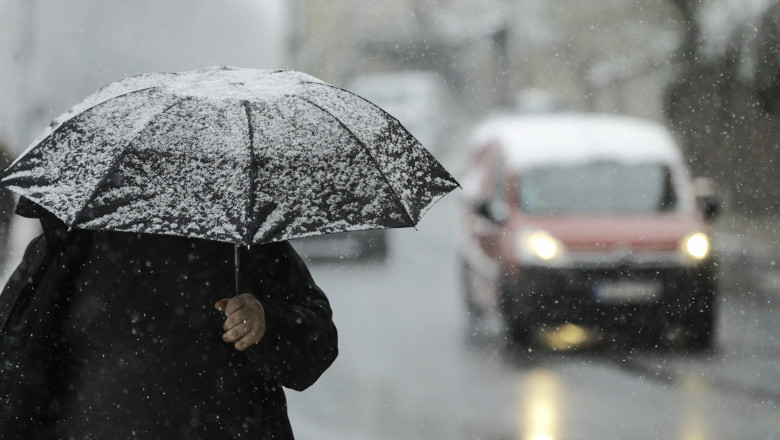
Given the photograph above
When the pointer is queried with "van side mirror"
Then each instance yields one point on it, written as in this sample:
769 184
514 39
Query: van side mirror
493 210
710 208
708 203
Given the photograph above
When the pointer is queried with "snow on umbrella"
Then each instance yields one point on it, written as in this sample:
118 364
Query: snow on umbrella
238 155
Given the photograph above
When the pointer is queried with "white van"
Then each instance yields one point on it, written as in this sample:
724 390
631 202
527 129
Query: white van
588 220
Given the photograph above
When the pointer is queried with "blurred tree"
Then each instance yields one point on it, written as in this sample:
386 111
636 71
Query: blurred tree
724 99
610 56
690 39
768 61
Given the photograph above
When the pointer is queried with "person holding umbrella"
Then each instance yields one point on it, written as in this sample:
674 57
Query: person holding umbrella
119 341
166 202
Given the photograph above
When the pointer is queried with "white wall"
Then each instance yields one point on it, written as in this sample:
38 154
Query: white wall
53 53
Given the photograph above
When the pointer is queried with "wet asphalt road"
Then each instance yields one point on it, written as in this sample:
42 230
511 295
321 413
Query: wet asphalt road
406 369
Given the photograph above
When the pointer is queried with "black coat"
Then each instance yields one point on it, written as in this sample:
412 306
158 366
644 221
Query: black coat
114 335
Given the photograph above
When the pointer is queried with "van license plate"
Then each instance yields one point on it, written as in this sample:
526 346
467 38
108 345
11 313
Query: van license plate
628 291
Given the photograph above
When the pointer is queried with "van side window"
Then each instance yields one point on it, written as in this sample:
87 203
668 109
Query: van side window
497 192
669 195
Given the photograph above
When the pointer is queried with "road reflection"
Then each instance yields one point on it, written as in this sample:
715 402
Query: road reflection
545 396
543 400
540 406
693 425
568 337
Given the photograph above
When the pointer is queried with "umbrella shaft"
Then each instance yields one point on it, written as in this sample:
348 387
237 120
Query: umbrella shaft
238 265
250 353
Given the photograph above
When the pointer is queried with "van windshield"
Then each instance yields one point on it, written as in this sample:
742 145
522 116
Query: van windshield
598 188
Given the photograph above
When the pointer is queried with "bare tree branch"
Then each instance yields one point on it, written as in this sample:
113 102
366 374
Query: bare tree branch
688 51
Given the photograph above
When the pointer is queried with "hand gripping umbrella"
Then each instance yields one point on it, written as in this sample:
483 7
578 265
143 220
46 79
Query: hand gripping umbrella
237 155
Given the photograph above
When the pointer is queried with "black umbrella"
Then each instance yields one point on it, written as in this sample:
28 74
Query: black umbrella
237 155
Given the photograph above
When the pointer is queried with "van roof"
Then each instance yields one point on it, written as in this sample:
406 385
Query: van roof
574 138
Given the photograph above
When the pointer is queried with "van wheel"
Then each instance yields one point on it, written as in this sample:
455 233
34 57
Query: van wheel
697 320
518 326
467 291
474 315
518 334
700 325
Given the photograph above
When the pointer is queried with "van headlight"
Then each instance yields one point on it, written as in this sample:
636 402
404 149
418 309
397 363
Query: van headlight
697 246
540 247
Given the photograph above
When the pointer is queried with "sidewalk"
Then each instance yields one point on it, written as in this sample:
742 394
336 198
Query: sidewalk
764 232
747 358
752 247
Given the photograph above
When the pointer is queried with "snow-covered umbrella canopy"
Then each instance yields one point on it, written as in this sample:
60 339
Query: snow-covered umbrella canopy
238 155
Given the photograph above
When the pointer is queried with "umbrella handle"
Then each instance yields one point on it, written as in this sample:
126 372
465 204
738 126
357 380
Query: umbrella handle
250 353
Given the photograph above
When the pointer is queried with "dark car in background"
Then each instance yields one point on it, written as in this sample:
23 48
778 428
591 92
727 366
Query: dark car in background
590 221
370 244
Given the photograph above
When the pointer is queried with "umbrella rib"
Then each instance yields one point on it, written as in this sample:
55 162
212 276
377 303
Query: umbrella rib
114 166
250 209
368 152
